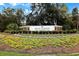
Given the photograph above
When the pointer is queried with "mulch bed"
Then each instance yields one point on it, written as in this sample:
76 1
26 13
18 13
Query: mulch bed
52 50
42 50
4 47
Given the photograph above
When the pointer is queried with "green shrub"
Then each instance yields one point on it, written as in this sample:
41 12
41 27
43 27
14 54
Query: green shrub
12 26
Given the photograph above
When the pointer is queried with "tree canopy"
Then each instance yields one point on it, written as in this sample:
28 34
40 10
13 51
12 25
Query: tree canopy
42 14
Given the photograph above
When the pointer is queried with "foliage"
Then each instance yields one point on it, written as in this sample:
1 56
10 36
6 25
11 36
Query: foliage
75 17
42 14
12 26
10 15
47 14
29 43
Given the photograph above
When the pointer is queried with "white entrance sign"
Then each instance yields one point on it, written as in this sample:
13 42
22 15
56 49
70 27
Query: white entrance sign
41 28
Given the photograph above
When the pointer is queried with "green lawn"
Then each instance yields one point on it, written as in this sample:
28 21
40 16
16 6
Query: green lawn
5 53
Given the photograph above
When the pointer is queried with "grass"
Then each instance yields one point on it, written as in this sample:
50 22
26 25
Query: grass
5 53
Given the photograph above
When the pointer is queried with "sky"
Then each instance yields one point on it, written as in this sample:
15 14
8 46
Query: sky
71 6
27 6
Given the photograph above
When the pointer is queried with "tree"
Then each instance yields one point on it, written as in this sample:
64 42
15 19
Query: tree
10 15
47 14
8 11
20 15
75 17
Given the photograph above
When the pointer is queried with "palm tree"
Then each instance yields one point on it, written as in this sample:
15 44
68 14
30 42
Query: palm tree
8 11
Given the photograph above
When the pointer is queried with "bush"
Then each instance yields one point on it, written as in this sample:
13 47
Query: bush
12 26
70 31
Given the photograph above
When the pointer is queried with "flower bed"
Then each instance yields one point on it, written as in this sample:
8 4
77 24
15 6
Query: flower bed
33 44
